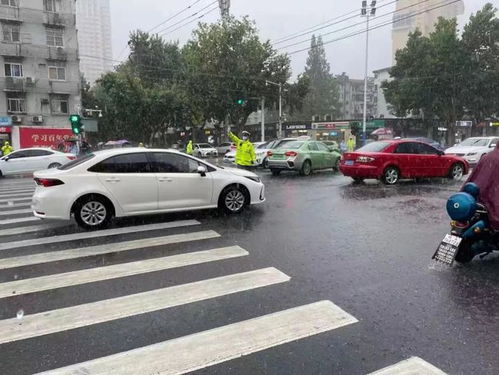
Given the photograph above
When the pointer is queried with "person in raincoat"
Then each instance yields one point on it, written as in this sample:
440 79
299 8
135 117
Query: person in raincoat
351 144
486 177
7 148
245 152
188 149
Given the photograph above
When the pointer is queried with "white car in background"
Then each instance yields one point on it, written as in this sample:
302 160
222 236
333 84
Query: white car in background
204 150
230 157
28 160
138 181
226 147
473 149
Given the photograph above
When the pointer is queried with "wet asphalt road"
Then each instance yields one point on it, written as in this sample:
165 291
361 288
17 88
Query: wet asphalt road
367 248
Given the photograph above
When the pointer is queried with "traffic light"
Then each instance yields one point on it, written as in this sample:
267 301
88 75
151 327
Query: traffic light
240 101
76 124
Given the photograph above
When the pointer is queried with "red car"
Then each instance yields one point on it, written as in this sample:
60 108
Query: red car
392 160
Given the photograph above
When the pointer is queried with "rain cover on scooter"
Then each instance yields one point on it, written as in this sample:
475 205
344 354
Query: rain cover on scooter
486 176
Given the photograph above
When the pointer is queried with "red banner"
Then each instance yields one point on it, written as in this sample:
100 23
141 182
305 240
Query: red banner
43 137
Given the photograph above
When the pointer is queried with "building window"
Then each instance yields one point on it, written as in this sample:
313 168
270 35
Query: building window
13 70
55 37
10 3
51 5
15 105
57 73
11 33
59 106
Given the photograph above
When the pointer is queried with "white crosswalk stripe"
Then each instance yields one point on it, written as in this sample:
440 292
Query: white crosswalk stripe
16 195
16 206
103 311
411 366
97 234
19 220
15 200
204 349
55 256
16 212
39 284
30 229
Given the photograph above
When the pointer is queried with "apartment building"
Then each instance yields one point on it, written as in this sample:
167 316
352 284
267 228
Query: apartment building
40 75
352 97
93 22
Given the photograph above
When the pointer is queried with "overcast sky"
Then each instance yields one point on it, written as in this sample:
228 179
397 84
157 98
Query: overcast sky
275 19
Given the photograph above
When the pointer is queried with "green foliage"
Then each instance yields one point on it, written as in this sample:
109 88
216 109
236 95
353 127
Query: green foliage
444 76
323 95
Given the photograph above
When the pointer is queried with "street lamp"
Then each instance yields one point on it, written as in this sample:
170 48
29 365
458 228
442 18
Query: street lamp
368 12
280 105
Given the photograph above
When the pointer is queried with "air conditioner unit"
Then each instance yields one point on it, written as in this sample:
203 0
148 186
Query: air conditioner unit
37 119
30 81
17 119
45 101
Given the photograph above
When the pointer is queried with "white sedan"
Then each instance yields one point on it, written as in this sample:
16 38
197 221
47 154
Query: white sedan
138 181
29 160
473 149
204 150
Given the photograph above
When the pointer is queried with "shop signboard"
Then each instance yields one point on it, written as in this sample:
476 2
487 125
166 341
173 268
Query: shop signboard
5 129
6 121
42 137
330 125
297 127
494 124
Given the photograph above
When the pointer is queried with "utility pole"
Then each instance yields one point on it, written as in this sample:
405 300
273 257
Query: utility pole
279 135
368 12
263 118
224 8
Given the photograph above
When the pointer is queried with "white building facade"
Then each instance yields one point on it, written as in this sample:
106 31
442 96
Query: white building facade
382 109
93 21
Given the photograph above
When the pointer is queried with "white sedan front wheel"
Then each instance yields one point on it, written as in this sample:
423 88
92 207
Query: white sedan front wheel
233 200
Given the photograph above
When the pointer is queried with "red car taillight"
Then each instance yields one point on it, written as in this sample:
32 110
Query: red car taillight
364 159
71 157
48 182
269 153
291 153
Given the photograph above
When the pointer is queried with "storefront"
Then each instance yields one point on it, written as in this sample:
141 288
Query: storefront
26 137
297 130
330 131
5 129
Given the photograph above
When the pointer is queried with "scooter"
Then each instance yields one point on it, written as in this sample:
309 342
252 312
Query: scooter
471 233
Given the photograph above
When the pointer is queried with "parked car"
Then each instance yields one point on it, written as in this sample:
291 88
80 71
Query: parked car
204 150
302 156
332 145
226 147
473 149
28 160
138 181
392 160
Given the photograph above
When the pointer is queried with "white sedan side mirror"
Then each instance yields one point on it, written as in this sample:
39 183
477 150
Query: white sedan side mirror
202 170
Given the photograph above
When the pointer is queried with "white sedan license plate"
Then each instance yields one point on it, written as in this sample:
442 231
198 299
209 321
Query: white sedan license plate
348 162
447 251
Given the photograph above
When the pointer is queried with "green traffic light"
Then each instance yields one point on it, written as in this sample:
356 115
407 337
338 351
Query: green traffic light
240 101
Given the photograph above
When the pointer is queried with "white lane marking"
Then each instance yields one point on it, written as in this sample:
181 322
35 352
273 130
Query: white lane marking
55 256
85 276
15 200
208 348
16 212
31 229
16 195
16 206
411 366
19 220
97 234
117 308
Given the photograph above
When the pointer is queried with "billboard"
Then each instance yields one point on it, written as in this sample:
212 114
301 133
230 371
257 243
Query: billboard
42 137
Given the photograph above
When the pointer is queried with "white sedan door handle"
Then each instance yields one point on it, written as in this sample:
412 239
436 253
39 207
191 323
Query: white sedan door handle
113 179
164 179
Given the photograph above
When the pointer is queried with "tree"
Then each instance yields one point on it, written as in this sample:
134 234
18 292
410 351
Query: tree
481 44
323 95
227 69
426 79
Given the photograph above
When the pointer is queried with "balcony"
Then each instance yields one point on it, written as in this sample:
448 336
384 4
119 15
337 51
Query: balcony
12 84
57 53
10 49
8 13
58 19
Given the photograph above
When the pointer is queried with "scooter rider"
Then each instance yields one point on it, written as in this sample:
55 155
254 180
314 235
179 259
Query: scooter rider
486 177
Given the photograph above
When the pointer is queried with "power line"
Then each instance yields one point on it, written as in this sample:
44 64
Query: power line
353 25
378 26
194 20
186 18
175 15
327 24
